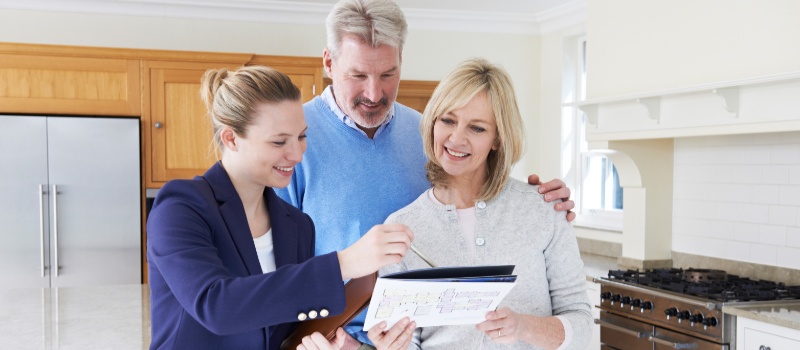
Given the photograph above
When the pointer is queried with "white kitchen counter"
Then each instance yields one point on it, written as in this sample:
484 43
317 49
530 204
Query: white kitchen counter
100 317
779 313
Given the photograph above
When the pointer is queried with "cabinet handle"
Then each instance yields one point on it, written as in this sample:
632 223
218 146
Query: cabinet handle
41 224
610 325
671 344
159 125
55 227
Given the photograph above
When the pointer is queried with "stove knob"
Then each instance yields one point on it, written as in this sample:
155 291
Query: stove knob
683 315
625 301
636 303
615 298
709 322
647 305
671 312
696 318
604 296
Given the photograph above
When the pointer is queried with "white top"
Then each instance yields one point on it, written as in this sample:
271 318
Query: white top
266 254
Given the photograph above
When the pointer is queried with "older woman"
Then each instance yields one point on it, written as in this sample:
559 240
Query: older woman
476 215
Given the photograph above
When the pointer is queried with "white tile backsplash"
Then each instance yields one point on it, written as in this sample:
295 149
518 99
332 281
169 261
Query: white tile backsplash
755 155
793 237
782 215
738 197
789 195
772 235
784 154
746 174
775 174
788 257
794 175
763 254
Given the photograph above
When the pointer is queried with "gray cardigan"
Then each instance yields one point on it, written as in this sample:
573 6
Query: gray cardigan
517 228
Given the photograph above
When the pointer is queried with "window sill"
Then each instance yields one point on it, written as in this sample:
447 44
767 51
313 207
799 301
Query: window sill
597 226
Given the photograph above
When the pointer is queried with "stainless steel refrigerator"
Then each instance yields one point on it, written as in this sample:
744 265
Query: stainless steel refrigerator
70 201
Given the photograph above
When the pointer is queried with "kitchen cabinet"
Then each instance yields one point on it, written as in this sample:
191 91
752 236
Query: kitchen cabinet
43 84
757 335
177 129
71 198
178 133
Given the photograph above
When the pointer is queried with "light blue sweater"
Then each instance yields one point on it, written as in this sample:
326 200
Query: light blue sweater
349 183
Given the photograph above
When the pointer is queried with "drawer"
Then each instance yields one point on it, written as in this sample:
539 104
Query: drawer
754 340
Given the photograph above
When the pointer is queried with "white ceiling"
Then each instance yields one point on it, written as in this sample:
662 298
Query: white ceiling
531 7
496 16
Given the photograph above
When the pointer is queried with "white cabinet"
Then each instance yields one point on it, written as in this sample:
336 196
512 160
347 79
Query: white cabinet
757 335
593 289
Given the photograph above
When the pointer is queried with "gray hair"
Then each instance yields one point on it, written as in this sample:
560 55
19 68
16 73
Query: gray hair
377 22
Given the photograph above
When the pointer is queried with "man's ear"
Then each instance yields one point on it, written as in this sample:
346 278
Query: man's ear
327 61
228 137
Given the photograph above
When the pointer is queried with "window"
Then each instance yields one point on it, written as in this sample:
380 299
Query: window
592 175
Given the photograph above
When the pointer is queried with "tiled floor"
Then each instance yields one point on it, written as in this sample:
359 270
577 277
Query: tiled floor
102 317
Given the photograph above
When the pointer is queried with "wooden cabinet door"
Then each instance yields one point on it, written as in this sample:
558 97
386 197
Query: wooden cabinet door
69 85
178 129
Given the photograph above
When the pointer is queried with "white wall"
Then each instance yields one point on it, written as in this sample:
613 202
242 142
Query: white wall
637 46
428 55
738 197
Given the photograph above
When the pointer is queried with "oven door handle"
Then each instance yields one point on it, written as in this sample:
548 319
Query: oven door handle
621 329
672 345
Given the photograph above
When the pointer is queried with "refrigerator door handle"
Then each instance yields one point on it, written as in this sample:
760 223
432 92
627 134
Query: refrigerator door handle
55 228
41 224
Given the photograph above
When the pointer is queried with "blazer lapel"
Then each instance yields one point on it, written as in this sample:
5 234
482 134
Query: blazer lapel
284 230
232 211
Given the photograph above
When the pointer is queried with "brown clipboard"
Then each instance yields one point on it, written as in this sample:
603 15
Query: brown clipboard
357 291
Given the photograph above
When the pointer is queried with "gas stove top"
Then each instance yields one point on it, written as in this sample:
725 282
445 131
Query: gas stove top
713 285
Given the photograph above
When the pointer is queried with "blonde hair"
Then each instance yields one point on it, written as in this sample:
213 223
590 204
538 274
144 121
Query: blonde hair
466 81
377 22
231 97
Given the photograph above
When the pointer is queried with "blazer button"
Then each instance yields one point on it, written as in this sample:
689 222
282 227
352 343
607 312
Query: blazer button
302 316
312 314
323 312
480 241
481 205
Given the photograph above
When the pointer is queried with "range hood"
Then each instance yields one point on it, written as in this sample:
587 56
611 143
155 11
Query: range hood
637 133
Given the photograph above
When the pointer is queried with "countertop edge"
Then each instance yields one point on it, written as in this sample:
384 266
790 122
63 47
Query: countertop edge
778 321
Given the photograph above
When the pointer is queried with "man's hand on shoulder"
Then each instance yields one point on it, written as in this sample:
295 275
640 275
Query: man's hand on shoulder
553 190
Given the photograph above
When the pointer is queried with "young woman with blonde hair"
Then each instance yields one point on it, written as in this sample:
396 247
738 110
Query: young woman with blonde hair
231 264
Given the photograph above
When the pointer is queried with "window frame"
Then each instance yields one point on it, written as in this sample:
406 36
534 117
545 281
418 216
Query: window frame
604 219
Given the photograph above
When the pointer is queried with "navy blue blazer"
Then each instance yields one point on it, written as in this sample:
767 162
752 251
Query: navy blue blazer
207 290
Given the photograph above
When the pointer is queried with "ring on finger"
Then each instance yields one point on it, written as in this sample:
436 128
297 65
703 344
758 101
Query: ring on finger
498 333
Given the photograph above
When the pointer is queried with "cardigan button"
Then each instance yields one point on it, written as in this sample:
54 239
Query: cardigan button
302 316
324 312
312 314
481 205
480 241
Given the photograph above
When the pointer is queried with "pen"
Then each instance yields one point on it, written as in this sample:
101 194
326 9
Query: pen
423 256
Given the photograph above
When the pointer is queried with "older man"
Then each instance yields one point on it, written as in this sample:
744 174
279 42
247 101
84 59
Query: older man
364 159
